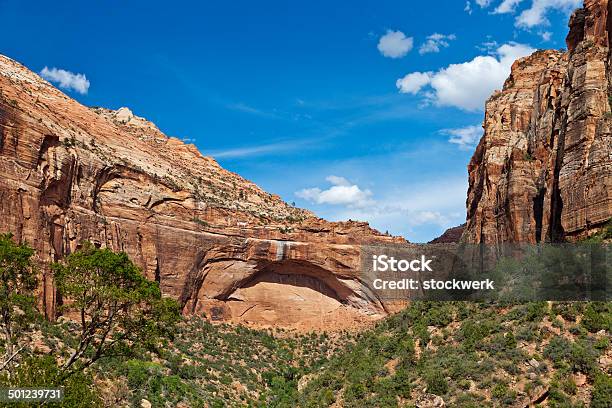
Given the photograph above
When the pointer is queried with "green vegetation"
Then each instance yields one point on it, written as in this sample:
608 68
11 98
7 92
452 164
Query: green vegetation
69 142
127 343
602 235
602 392
479 355
118 307
201 222
43 371
119 313
17 302
221 365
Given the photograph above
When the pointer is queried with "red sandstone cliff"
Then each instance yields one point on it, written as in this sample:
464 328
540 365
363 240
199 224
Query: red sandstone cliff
543 169
212 239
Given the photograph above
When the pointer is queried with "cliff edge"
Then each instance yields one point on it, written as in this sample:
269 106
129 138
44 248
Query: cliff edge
543 169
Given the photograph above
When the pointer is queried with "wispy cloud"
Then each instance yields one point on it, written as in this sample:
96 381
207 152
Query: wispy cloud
507 6
66 79
536 15
258 150
468 7
349 113
546 35
244 108
435 42
466 137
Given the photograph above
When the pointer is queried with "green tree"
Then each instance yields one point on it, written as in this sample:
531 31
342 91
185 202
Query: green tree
116 306
44 372
17 301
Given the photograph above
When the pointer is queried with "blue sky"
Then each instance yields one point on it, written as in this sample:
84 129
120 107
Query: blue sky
353 109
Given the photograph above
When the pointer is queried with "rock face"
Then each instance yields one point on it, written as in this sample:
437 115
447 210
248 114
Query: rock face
543 168
213 240
450 236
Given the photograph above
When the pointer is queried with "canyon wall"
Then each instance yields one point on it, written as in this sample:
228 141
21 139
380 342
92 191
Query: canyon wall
543 168
213 240
225 248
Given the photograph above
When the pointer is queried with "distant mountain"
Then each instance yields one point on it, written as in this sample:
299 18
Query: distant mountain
449 236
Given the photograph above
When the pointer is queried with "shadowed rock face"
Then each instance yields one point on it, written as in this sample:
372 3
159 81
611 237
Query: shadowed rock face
543 169
213 240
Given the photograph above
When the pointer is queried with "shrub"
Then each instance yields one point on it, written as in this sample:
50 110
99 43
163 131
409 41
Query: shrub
558 351
579 356
568 310
597 316
535 311
472 333
601 396
436 383
557 398
139 372
501 392
529 332
440 315
569 386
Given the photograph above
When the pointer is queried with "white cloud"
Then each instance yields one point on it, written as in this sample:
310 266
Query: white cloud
66 79
418 210
395 44
439 204
466 138
467 85
342 192
435 42
468 7
546 35
413 83
483 3
507 6
536 14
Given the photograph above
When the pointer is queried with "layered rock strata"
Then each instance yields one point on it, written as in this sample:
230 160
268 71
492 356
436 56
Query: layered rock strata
543 169
213 240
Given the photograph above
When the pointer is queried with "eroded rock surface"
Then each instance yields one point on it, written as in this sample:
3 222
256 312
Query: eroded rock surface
213 240
543 169
450 236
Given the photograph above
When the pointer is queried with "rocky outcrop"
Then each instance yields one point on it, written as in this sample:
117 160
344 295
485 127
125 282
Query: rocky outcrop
213 240
450 236
543 169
